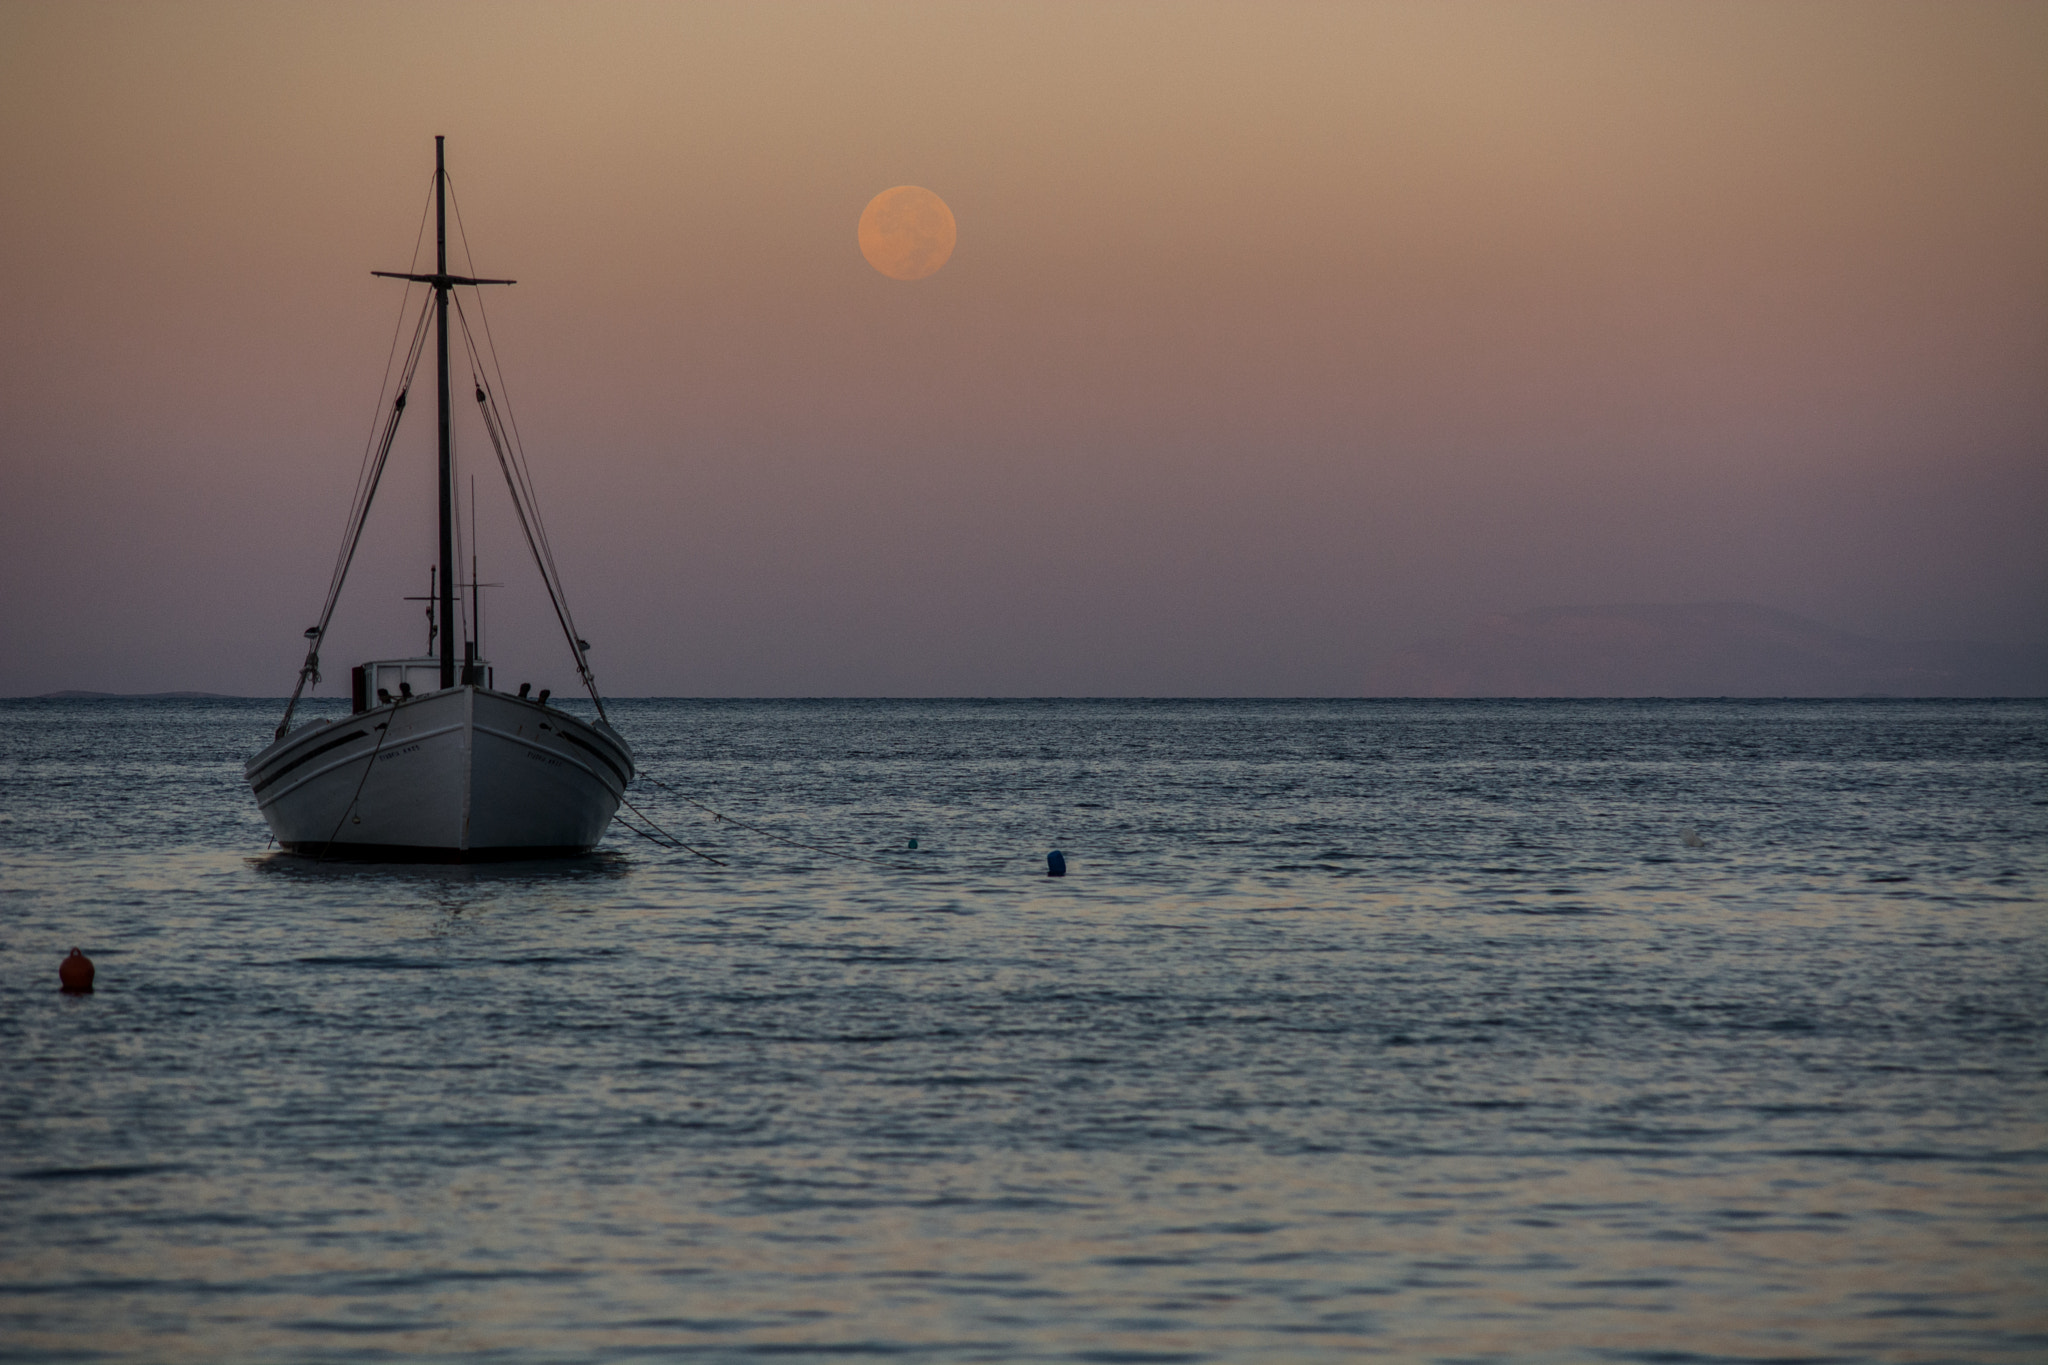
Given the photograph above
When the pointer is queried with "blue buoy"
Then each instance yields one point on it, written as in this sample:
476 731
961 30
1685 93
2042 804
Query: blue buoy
1055 864
913 843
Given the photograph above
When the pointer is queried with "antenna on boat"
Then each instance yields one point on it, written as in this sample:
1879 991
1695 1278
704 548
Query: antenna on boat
472 666
443 283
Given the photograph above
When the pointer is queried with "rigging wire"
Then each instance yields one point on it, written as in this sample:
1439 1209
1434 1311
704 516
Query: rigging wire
497 370
363 474
359 512
503 427
359 507
397 328
527 510
508 428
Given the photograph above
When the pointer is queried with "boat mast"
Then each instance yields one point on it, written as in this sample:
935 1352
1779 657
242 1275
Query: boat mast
442 285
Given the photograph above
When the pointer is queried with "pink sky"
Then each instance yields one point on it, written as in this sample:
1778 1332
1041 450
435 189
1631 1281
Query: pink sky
1276 336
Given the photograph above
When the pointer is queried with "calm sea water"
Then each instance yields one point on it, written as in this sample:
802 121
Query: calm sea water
1401 1030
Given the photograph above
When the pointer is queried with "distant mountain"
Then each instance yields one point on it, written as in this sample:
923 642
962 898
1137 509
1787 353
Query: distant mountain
1708 649
131 696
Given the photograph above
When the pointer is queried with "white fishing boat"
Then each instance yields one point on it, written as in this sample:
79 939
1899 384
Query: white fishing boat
433 763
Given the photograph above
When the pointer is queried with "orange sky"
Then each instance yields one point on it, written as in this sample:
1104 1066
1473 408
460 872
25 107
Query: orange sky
1276 335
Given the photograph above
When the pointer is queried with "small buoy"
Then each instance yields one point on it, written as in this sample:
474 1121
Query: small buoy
1691 839
1055 864
74 974
913 843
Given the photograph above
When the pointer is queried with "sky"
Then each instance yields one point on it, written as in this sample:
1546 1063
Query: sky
1276 336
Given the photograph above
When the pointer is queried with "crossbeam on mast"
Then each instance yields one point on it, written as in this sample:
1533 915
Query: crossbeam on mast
438 281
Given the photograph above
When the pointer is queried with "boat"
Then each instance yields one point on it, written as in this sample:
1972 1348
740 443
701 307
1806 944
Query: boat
434 763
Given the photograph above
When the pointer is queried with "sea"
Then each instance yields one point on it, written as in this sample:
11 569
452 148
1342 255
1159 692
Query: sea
1546 1031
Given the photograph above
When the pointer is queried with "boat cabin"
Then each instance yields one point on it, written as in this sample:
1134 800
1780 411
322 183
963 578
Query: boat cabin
383 681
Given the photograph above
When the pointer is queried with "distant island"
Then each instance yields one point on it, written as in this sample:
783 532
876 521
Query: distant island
1707 649
131 696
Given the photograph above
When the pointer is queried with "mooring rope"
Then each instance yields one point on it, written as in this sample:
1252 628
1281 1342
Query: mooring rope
383 733
720 815
630 827
673 842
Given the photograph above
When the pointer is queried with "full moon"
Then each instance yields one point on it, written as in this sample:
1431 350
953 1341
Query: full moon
907 232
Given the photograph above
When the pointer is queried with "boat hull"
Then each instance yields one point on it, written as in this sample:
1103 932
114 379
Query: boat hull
464 774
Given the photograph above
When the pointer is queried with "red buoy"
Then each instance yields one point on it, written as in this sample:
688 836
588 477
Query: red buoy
74 973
